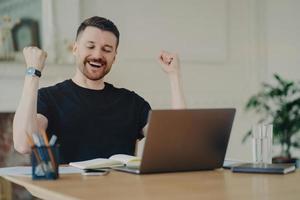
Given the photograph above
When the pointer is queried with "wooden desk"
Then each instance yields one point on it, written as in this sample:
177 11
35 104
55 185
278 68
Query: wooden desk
218 184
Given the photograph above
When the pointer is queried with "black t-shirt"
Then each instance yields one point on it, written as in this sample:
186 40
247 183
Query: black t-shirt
92 123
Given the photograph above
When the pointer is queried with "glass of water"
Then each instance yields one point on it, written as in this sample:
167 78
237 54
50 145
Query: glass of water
262 138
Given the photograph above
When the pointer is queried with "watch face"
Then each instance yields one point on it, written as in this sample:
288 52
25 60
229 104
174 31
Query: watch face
30 71
33 72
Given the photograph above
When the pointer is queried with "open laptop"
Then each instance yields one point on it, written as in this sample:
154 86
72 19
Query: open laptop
185 140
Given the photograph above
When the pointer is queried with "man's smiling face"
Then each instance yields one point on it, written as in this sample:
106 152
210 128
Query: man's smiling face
95 51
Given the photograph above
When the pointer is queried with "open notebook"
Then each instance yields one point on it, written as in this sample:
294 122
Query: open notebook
117 160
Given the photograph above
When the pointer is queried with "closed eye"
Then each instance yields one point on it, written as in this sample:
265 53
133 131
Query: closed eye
107 49
90 47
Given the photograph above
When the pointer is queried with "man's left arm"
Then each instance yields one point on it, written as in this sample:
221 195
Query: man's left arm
171 65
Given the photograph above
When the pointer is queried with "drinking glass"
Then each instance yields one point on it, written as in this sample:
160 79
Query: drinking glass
262 138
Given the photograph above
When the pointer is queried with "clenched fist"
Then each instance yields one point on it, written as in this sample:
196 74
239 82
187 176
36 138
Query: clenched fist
169 62
35 57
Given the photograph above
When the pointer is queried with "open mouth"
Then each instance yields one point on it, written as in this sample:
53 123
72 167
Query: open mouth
95 64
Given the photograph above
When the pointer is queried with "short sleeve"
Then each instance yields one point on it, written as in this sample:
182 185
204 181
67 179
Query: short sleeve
43 106
144 109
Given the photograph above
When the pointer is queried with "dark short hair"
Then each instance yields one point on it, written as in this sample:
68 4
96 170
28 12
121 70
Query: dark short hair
101 23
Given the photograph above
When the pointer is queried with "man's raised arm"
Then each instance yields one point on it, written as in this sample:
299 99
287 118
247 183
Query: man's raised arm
26 119
171 65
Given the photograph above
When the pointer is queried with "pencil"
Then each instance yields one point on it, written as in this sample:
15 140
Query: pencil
44 134
31 143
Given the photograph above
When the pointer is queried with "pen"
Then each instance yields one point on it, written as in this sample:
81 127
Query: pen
36 154
48 148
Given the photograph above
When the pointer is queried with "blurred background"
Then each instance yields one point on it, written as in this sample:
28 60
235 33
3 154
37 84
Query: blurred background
228 48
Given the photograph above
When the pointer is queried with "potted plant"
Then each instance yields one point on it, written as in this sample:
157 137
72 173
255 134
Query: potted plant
279 105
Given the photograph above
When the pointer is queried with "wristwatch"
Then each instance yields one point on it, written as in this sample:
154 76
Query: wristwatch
31 71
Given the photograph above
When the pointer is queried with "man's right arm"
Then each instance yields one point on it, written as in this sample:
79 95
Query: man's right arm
26 120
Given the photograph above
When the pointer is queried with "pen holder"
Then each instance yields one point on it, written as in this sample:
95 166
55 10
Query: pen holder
45 162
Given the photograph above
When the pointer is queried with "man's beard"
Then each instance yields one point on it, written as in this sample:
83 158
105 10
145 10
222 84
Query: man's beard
94 76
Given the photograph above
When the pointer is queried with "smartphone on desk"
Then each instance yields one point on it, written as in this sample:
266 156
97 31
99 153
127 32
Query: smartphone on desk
95 172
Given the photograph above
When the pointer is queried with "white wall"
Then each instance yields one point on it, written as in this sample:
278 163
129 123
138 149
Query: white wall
283 38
